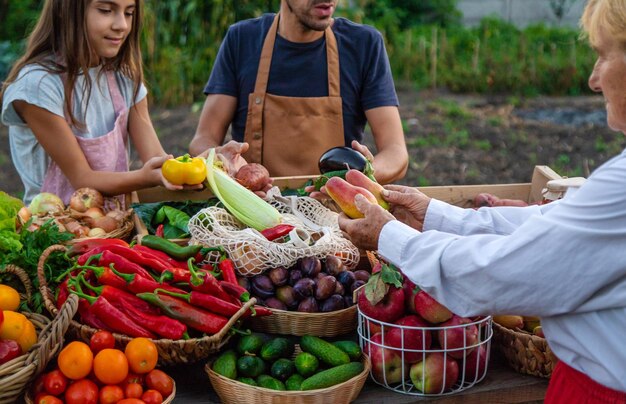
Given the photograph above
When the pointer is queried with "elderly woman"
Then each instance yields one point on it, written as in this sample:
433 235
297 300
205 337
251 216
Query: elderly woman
563 261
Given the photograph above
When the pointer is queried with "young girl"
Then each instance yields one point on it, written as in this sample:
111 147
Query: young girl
74 99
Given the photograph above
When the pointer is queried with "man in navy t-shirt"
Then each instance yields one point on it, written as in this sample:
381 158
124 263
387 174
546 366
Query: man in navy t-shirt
295 84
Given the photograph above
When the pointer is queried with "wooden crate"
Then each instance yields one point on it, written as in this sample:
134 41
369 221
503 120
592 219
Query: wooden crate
459 195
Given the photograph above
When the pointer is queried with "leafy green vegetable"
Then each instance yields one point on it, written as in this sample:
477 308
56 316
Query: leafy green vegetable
9 239
33 245
151 215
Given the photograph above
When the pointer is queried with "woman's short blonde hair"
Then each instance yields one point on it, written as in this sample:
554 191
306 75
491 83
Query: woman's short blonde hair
608 16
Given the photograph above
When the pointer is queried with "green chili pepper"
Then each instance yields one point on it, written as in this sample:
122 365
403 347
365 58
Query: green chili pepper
170 248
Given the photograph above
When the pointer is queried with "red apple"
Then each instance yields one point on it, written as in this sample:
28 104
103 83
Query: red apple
387 365
408 287
456 336
475 364
388 310
412 336
435 374
428 308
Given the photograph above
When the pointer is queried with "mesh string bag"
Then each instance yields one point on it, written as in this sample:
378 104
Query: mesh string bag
316 234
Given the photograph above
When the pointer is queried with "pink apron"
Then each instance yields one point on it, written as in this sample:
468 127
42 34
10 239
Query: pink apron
104 153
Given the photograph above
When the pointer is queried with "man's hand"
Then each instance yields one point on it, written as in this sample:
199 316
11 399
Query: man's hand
364 233
230 155
408 205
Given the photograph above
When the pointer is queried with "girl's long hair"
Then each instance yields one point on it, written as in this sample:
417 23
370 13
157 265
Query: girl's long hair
59 43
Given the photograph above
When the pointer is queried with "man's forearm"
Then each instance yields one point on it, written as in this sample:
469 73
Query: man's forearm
390 165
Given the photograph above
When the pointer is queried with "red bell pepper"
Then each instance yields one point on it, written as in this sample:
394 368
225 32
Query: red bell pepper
193 317
115 319
278 231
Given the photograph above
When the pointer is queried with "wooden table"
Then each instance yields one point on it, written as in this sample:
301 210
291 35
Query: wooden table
501 385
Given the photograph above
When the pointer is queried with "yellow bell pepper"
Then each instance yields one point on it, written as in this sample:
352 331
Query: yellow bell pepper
184 170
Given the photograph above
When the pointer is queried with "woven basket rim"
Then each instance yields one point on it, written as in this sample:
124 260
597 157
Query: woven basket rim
365 360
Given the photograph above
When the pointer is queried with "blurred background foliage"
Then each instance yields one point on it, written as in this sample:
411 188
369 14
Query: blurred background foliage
427 46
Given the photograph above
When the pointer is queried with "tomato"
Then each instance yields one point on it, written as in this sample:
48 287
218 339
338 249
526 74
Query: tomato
133 390
110 366
131 401
133 378
152 397
82 392
75 360
159 380
110 394
38 386
101 340
55 382
48 399
142 355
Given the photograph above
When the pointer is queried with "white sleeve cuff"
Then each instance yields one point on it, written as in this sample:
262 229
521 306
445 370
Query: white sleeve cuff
393 239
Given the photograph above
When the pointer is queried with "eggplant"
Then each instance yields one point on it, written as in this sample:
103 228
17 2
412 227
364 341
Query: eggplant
342 158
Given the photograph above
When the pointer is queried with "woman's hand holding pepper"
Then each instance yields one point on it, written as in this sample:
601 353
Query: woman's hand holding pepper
152 170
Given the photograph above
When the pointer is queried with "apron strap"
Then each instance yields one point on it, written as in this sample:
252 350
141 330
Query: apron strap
332 56
114 90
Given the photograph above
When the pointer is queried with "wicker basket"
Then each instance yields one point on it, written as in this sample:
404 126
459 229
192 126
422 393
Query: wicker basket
328 324
17 373
525 352
171 352
232 391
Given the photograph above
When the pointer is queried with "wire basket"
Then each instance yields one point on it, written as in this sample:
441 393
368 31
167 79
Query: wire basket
171 352
18 372
426 361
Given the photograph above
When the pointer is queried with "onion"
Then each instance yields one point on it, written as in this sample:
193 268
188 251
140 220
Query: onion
253 176
24 214
106 223
46 202
96 232
94 212
85 198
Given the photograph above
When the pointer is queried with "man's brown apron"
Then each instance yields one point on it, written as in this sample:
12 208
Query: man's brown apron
289 134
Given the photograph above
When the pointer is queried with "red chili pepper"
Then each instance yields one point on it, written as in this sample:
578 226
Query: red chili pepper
113 317
262 311
63 293
87 316
194 317
138 284
205 301
83 246
171 262
122 264
105 276
130 254
117 295
163 326
227 268
205 282
235 290
277 231
159 231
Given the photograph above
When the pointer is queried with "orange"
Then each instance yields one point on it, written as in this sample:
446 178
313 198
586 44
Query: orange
110 366
75 360
13 325
142 355
9 298
28 337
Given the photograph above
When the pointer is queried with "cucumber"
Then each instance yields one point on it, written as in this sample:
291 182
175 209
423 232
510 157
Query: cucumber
247 380
306 363
294 382
277 348
282 369
226 364
250 344
332 376
351 348
269 382
325 351
250 366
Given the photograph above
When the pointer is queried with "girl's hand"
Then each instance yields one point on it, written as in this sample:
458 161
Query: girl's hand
152 170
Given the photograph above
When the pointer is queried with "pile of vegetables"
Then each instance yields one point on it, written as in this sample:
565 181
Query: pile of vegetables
271 363
152 289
